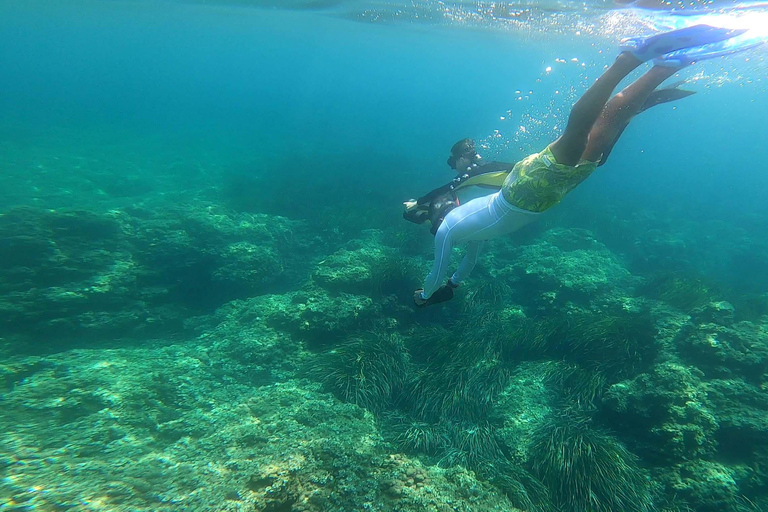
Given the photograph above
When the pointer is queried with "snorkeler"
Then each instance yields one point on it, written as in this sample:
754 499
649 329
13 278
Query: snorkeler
540 181
477 178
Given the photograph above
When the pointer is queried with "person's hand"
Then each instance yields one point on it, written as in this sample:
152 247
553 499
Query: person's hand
417 298
410 204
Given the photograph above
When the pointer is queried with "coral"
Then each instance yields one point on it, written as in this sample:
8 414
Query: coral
587 469
413 477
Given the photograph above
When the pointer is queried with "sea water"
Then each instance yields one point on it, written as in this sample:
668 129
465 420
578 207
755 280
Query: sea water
199 200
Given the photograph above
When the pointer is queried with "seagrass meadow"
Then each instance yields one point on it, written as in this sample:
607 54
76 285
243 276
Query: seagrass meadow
206 284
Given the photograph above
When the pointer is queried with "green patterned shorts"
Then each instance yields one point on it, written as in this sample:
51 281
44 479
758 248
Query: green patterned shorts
539 182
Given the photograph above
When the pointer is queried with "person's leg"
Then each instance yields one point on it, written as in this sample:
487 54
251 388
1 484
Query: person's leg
468 263
459 225
571 145
569 148
483 218
443 253
621 109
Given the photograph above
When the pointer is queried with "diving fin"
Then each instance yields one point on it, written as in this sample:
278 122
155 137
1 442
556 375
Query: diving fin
444 293
665 95
688 56
652 47
657 97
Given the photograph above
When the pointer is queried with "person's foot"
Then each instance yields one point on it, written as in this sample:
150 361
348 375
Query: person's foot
652 47
686 57
444 293
419 299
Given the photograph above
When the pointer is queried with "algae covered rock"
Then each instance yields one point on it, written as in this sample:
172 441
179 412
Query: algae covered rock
237 336
77 275
666 412
727 351
742 413
524 404
718 312
310 314
70 275
365 266
565 265
705 486
205 256
172 428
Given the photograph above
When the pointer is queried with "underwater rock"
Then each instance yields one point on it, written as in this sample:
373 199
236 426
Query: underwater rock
366 267
706 486
69 276
665 412
719 312
251 266
738 350
311 314
238 332
564 265
175 428
205 256
742 413
523 405
79 277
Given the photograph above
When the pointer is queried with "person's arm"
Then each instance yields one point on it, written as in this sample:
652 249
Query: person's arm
430 196
418 210
414 212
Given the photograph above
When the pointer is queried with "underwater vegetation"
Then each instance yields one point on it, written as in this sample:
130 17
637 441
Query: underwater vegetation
523 489
585 468
418 436
575 385
553 381
461 369
369 370
679 290
614 345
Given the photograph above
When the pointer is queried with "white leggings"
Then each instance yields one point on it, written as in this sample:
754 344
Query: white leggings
480 219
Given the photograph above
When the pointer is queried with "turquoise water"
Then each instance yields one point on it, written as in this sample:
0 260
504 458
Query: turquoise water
207 280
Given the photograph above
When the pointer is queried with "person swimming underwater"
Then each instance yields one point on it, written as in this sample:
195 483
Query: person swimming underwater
542 180
476 178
